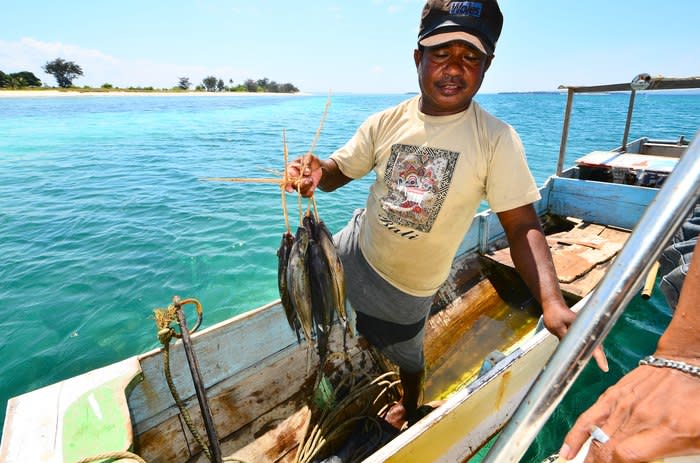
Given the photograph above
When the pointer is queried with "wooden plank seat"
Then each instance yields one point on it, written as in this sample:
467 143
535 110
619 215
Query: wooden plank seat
581 255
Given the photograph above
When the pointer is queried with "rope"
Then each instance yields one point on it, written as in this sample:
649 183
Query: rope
112 456
334 423
165 333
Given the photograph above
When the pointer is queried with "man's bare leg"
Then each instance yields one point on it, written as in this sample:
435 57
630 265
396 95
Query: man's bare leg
412 384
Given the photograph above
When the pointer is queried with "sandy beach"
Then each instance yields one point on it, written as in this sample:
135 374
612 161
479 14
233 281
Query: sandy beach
117 93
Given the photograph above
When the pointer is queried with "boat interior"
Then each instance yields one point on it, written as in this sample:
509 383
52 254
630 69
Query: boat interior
264 412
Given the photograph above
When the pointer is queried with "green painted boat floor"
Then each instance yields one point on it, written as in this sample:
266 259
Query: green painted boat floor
98 422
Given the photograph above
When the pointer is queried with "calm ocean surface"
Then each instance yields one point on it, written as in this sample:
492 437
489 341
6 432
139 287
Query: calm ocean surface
103 217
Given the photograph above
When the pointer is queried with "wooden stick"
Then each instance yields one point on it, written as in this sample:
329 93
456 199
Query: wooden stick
320 125
650 280
307 156
315 208
284 181
301 209
277 181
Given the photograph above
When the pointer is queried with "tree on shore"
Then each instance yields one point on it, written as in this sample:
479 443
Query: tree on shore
251 85
184 83
288 88
27 79
215 84
19 80
267 85
209 83
263 83
64 71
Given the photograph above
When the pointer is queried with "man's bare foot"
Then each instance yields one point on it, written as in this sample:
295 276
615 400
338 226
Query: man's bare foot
399 418
422 411
396 416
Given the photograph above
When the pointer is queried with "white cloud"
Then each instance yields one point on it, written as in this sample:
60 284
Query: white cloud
29 54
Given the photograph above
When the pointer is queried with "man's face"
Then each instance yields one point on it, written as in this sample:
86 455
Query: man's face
449 76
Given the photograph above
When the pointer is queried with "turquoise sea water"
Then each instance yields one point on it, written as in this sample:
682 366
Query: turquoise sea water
103 217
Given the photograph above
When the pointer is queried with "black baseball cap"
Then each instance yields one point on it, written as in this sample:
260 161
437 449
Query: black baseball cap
478 23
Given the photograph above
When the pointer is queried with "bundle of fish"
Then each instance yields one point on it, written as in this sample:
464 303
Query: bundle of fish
311 283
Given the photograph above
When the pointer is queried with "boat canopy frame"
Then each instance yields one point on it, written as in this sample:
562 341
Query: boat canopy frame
641 82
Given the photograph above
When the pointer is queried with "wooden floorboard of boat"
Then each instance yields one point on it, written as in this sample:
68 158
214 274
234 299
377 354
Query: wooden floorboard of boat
265 414
448 324
581 255
259 416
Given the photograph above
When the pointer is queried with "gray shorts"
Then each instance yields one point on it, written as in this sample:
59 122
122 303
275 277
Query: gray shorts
390 319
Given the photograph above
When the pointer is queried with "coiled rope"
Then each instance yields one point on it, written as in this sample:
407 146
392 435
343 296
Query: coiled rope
335 423
113 456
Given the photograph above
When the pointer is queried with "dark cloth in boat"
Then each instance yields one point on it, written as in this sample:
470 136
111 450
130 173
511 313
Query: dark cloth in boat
675 259
671 284
391 320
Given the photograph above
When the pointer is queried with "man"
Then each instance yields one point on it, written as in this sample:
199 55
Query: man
435 157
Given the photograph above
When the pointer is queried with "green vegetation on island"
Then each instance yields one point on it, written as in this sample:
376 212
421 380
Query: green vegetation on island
65 72
24 79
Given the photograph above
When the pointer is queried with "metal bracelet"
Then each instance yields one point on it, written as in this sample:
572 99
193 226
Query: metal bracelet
665 363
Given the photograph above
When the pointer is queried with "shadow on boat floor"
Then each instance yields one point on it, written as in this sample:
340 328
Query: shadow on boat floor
368 436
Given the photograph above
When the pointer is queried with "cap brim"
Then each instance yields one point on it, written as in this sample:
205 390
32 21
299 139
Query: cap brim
445 37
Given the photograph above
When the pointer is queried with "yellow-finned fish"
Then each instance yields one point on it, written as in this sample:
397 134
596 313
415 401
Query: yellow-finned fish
335 266
282 266
322 297
298 282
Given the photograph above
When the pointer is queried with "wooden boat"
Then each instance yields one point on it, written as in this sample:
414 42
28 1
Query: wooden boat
484 348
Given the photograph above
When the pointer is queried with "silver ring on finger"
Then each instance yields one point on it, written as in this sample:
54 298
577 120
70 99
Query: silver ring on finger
599 435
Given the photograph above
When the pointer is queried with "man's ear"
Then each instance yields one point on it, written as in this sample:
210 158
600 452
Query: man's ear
417 55
488 62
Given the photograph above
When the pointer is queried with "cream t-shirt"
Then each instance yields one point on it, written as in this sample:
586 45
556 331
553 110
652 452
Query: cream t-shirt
431 174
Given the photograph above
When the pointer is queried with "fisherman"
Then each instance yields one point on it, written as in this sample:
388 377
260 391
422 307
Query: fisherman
435 156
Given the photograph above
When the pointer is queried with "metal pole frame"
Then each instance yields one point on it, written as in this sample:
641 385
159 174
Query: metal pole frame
565 130
598 315
628 122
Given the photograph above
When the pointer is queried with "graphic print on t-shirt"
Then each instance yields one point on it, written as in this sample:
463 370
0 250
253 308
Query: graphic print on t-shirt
417 178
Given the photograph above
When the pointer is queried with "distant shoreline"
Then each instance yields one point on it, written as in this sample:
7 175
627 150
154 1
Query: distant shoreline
119 93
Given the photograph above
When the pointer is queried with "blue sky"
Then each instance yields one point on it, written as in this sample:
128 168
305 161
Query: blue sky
363 46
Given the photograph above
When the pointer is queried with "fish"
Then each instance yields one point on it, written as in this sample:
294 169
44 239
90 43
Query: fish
322 297
335 266
309 223
298 282
282 267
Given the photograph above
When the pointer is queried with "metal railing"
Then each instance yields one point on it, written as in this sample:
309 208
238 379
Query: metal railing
597 317
640 82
